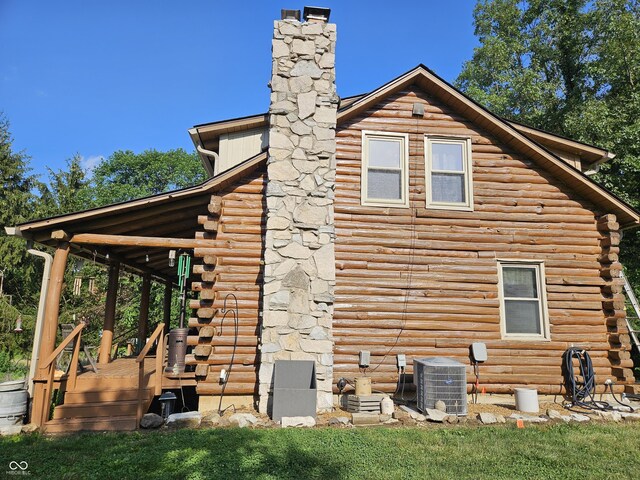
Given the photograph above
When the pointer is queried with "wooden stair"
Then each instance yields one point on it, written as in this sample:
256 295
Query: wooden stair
100 403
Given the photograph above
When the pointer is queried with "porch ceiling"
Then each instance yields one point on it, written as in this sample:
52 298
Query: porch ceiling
175 218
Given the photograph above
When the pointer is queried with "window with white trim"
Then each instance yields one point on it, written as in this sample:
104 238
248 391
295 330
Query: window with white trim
385 166
523 301
448 173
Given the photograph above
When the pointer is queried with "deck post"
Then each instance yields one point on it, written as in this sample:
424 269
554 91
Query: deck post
49 331
109 314
166 317
143 318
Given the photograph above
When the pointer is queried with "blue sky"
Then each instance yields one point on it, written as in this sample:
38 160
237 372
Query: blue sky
91 77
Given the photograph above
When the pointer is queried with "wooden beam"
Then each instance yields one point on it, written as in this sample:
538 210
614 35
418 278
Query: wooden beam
109 314
134 241
60 235
49 331
150 215
125 264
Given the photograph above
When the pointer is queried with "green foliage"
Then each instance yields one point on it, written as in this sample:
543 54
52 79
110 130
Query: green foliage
13 345
10 340
531 62
122 176
17 203
555 452
68 190
126 175
570 67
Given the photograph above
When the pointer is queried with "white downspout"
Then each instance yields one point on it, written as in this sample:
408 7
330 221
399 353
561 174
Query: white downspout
37 336
209 153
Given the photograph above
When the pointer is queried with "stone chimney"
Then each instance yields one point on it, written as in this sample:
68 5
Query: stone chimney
299 274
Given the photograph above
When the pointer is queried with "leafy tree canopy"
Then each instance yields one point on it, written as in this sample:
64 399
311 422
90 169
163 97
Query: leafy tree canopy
17 202
126 175
571 67
122 176
68 190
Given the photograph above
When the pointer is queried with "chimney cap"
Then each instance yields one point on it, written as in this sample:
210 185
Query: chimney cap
286 14
316 13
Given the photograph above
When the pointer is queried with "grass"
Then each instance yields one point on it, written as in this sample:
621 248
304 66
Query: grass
565 452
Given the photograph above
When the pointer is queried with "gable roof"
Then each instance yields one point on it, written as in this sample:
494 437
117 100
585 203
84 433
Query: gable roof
207 134
521 138
504 131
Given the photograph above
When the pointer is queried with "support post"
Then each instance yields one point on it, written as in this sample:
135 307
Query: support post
166 318
109 314
49 331
143 318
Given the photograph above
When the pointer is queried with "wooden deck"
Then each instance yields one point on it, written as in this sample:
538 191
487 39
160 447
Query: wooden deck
125 371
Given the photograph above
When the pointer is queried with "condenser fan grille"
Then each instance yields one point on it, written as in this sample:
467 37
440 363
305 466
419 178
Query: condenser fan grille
441 379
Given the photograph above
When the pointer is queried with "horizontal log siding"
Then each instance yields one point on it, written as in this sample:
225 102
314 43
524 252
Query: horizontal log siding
231 265
424 282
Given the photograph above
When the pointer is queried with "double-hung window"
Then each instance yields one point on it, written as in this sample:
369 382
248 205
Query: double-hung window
385 169
448 173
523 302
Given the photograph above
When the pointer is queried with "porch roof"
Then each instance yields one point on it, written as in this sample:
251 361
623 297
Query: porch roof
137 233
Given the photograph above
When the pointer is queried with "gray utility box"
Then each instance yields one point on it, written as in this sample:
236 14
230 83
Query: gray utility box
443 379
294 389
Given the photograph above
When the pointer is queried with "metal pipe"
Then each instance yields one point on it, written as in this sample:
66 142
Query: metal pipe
37 336
208 153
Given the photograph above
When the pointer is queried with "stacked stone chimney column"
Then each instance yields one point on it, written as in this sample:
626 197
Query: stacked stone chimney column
299 274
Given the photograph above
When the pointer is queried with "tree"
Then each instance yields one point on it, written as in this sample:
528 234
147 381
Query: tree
17 202
533 62
571 67
122 176
126 175
68 190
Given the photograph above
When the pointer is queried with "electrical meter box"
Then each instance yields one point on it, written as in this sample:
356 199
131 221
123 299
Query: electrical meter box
479 352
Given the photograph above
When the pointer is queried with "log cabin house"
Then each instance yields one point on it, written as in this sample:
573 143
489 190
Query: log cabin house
409 220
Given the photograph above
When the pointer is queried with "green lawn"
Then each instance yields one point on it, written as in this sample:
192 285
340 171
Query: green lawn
605 451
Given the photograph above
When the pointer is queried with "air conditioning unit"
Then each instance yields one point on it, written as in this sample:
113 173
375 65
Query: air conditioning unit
443 379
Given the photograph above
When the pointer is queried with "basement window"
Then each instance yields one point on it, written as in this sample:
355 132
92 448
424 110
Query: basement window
385 166
448 173
522 300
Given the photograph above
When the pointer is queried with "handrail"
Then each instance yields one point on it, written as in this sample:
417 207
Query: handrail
159 335
73 370
147 346
124 335
64 343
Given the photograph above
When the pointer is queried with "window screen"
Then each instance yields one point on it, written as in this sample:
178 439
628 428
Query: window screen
448 167
522 300
384 161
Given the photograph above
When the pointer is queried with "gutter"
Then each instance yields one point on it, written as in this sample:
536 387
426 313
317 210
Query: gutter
595 166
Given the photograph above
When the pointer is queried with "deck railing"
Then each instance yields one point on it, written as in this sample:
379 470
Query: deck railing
158 334
49 366
119 340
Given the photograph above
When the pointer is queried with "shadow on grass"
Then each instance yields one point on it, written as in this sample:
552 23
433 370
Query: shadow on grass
185 454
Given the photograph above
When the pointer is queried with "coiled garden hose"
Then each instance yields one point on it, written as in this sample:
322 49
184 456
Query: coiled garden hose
581 387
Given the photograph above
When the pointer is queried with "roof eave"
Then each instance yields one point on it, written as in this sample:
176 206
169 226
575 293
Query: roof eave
23 229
